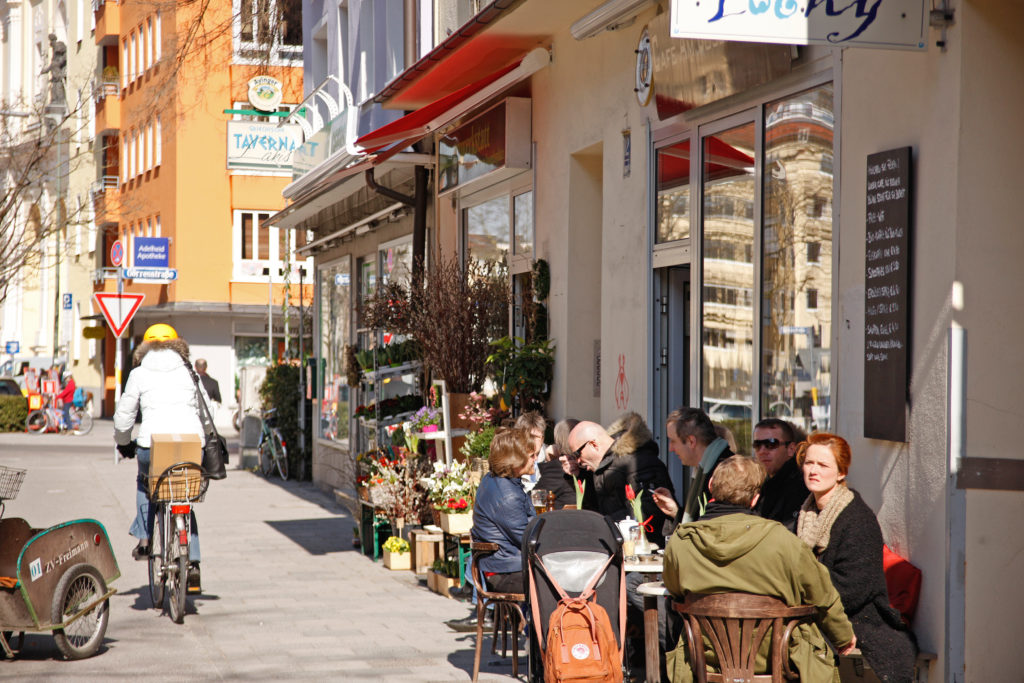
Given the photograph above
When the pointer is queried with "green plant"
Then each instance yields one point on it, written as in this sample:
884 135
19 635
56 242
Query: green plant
396 545
13 413
449 568
541 279
478 444
522 371
280 390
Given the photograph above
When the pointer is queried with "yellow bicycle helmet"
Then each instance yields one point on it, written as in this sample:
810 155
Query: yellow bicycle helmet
160 332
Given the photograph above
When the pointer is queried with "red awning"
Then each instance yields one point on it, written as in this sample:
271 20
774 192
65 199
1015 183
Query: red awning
441 112
414 125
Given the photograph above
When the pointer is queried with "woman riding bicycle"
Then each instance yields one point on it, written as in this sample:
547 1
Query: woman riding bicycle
162 387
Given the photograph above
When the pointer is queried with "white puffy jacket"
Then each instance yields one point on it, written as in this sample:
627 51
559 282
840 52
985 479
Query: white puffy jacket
162 386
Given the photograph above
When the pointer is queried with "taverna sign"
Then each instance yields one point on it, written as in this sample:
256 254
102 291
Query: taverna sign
894 24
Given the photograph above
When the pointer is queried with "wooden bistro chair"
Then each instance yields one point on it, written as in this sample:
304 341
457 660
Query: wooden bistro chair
736 624
508 617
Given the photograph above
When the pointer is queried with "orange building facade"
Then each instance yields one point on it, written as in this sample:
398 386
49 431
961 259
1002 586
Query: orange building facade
189 167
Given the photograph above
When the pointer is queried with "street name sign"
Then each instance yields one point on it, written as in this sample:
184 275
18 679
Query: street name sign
151 273
118 309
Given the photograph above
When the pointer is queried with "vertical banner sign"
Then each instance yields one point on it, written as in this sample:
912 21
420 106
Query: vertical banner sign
886 295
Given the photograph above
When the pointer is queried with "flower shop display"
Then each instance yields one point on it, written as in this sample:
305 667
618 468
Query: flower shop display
443 575
389 407
426 419
522 371
397 553
450 491
393 482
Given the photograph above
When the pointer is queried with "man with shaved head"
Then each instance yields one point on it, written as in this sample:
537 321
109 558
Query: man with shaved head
625 453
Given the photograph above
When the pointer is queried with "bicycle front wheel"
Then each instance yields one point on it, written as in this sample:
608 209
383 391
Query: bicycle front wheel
84 422
280 454
177 584
156 559
37 422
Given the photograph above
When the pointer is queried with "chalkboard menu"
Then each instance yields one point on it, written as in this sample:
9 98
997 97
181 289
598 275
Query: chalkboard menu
887 295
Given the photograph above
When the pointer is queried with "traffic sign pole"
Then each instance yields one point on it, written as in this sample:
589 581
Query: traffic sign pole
117 348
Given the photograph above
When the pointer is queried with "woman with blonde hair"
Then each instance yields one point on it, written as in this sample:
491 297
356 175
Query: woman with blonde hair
844 534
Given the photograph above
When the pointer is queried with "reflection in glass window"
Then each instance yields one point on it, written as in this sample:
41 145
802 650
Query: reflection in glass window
673 206
335 287
797 292
728 184
523 209
396 263
488 232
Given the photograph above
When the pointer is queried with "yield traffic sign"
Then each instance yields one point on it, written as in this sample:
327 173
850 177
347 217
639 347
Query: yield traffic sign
118 309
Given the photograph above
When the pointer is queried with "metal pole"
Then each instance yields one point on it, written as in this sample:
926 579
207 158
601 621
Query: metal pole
302 374
270 316
56 256
117 353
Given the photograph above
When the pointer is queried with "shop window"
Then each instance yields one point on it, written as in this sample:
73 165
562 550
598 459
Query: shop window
334 286
523 232
488 230
799 145
673 200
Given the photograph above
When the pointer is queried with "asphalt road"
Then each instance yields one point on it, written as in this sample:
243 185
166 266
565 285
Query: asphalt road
285 594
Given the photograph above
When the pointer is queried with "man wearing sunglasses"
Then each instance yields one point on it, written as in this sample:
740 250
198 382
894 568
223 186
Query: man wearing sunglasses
784 491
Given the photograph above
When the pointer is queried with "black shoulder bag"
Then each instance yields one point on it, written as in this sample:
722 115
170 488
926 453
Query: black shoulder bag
215 450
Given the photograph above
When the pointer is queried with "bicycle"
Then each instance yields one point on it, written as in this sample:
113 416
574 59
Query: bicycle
272 450
173 493
50 419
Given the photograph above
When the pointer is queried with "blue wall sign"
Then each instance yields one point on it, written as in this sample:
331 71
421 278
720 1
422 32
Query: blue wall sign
151 252
65 300
12 347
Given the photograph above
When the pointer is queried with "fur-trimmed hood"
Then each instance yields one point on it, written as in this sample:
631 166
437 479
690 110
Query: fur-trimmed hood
630 433
179 346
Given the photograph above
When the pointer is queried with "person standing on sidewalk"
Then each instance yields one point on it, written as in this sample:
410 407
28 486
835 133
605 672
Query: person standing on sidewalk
162 387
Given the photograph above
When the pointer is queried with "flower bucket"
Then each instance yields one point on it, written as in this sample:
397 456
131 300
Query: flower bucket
397 561
429 428
456 522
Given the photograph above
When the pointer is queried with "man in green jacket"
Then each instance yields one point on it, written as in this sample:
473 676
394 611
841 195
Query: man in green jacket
731 549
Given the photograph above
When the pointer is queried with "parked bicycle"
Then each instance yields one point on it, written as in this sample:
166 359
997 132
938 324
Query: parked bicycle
173 493
51 419
272 450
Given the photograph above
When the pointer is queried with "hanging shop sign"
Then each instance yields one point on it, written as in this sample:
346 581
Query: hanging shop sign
897 24
494 145
886 294
262 146
265 93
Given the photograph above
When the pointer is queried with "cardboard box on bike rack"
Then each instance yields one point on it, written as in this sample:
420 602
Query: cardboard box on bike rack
171 449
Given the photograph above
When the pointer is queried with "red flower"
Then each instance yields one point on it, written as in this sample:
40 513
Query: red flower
629 493
579 485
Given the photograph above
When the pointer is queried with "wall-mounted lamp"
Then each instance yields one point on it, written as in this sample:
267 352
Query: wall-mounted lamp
608 17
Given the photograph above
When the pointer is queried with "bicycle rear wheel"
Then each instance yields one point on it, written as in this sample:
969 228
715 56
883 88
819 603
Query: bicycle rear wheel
156 559
84 421
37 422
177 583
266 457
280 454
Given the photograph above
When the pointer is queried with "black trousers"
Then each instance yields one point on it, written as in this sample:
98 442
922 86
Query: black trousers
512 582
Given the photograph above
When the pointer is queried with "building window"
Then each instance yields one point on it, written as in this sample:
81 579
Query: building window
814 252
673 199
812 299
149 42
274 25
156 39
259 247
124 63
131 57
157 142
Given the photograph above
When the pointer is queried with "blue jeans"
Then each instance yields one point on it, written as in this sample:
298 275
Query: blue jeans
142 525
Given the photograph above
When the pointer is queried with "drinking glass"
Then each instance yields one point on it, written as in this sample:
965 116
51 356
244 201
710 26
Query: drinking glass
539 498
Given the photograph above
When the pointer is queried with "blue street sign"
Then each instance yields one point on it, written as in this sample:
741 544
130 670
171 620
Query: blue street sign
151 252
151 273
12 347
65 300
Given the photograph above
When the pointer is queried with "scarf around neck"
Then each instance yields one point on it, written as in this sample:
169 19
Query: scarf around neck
814 527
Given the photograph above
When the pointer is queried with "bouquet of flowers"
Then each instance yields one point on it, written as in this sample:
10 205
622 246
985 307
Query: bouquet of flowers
449 487
391 478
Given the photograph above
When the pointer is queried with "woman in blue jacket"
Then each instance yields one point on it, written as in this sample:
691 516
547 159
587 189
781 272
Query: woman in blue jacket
503 509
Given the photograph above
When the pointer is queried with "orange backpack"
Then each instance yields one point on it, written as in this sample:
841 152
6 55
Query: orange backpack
581 644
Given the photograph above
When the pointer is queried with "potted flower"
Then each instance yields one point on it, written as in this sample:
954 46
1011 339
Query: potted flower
450 491
397 553
426 419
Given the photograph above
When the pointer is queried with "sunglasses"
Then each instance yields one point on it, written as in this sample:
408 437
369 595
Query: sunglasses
578 453
770 444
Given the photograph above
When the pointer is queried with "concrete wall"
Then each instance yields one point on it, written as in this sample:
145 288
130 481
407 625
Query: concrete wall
989 246
891 99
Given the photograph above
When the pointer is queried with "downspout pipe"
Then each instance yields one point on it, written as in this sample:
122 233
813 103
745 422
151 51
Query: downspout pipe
419 222
371 183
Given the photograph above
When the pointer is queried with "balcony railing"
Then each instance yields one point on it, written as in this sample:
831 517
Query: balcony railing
104 87
107 182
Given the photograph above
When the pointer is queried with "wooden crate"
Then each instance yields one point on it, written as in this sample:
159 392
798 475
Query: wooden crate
440 583
426 547
397 560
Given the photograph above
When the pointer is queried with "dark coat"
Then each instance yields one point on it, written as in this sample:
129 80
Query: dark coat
632 459
854 560
500 515
211 386
783 494
553 478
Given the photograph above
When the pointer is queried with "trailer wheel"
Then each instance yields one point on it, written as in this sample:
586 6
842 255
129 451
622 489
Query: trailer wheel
80 586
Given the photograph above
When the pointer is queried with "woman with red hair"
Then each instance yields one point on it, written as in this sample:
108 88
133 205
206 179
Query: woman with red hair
844 534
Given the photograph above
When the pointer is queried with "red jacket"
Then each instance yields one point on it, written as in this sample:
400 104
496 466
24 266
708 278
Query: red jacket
67 394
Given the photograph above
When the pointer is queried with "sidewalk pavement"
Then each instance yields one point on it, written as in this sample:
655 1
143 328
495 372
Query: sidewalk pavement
286 596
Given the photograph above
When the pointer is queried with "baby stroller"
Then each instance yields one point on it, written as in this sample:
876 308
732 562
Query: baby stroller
573 545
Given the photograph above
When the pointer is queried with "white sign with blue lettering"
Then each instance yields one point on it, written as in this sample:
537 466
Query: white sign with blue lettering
898 24
12 347
65 302
151 273
257 145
